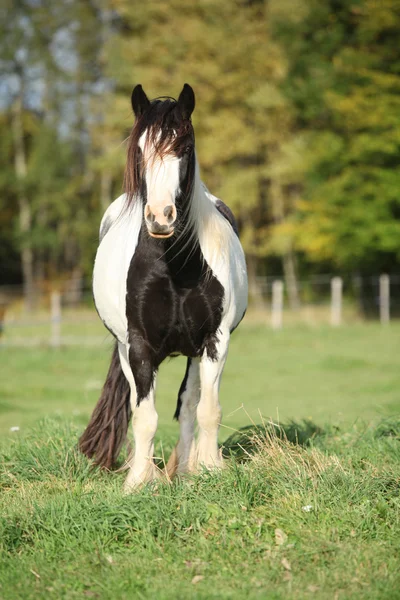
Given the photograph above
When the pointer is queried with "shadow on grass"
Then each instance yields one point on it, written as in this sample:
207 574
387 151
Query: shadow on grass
389 427
246 441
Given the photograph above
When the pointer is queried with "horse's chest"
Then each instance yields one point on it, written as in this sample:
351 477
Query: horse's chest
173 318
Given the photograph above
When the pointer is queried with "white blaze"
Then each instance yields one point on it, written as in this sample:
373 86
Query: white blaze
162 178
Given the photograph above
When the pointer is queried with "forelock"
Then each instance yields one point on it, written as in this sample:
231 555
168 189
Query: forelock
165 129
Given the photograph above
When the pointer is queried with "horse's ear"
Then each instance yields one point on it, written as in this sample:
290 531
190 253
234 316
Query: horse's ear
139 100
186 101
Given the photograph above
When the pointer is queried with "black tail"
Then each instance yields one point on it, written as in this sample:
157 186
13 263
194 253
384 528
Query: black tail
182 389
104 436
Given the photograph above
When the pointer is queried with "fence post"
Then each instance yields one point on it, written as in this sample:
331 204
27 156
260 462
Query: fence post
277 304
336 301
55 319
384 299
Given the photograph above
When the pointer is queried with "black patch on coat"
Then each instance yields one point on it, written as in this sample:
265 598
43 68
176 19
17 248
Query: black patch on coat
106 225
173 301
228 214
173 305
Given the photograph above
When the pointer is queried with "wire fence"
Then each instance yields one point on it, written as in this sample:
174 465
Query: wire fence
66 315
363 295
59 316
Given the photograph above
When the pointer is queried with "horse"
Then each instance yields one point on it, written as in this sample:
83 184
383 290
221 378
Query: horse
169 279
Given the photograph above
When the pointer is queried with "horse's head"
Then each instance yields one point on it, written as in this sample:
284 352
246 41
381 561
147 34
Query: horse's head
161 159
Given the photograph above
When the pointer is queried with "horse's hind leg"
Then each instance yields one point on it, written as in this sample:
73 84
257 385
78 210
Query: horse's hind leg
183 456
142 468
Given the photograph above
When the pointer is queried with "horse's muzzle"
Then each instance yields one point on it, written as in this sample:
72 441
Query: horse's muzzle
160 220
161 236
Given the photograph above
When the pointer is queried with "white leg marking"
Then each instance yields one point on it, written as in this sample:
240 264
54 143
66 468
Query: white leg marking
144 423
187 417
145 419
209 409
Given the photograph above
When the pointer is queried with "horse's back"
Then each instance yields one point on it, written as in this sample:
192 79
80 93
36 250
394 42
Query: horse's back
228 214
222 208
111 215
231 271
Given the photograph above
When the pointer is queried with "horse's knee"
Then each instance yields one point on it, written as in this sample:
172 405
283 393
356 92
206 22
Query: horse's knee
145 417
209 417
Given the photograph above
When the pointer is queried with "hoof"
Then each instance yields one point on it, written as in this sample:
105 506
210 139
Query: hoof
171 467
211 463
135 481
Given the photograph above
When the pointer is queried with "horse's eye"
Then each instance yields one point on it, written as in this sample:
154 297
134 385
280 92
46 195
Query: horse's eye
187 149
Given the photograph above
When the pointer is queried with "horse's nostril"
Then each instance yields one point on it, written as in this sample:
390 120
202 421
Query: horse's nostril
170 213
150 218
161 219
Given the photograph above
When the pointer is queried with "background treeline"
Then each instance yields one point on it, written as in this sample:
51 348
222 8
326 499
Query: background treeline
297 124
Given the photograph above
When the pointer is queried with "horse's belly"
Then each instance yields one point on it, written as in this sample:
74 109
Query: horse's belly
110 279
109 297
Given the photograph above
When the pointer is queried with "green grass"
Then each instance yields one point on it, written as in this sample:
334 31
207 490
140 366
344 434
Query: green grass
329 375
67 531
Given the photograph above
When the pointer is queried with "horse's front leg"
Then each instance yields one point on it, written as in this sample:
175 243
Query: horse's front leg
140 372
209 409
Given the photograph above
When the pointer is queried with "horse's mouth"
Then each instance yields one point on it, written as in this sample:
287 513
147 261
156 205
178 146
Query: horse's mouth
162 236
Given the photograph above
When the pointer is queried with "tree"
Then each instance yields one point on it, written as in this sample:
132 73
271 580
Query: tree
345 81
241 119
51 69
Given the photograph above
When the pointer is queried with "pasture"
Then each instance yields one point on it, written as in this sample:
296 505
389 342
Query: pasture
314 515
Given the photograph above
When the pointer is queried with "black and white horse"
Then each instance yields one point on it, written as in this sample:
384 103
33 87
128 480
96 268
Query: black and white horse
169 278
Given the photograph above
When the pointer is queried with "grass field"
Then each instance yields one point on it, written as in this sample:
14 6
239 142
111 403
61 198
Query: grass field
319 518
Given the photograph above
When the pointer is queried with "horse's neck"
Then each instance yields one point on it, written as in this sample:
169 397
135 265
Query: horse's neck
212 229
183 253
203 242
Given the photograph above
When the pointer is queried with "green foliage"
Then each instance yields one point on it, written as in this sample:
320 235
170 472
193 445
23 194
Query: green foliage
297 121
50 68
347 93
224 51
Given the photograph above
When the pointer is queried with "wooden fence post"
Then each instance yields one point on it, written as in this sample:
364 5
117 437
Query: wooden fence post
384 299
277 304
336 301
55 319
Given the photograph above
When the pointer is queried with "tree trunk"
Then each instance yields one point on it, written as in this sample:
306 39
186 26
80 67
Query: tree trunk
255 289
25 213
105 190
74 290
292 287
288 258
